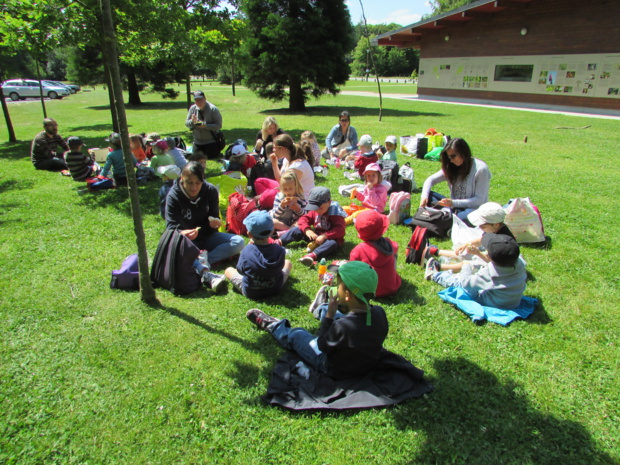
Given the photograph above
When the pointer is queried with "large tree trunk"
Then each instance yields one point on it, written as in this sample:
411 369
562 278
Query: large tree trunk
7 118
296 97
147 293
132 87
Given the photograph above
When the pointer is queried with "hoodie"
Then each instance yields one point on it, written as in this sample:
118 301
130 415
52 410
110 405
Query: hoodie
381 255
261 268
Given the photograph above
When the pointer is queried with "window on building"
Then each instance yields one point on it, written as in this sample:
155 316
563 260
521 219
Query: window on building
514 73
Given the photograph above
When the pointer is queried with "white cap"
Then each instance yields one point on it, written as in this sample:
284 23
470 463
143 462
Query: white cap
488 213
365 141
239 150
170 171
391 139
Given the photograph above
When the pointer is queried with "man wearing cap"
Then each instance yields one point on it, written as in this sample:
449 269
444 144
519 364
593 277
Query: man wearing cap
365 155
204 119
115 160
81 166
262 268
346 347
499 283
46 151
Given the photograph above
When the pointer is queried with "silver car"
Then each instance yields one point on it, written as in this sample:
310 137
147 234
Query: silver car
21 89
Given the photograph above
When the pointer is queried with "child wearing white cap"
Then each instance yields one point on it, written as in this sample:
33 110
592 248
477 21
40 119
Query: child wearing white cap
390 145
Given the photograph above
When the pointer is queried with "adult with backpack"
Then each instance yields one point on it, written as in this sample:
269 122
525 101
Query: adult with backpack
204 120
192 208
468 179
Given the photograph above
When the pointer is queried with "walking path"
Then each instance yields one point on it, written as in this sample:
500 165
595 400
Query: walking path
572 111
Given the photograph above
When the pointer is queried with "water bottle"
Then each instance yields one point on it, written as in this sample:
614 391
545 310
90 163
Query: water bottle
325 170
337 163
322 268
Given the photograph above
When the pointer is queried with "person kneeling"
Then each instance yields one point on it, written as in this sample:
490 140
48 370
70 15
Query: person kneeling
348 346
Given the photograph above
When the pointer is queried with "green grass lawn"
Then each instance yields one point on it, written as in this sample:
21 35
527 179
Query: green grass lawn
92 375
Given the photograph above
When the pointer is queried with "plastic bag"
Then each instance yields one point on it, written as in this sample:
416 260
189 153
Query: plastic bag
524 220
462 234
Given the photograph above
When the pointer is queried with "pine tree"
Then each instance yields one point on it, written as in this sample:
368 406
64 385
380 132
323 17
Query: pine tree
298 48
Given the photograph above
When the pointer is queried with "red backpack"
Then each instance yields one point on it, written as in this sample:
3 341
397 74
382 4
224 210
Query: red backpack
416 245
239 207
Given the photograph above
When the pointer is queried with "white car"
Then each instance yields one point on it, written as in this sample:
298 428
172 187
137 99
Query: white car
21 89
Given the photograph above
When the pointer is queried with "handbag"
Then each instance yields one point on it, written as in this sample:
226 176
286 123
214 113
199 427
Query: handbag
438 222
220 140
524 221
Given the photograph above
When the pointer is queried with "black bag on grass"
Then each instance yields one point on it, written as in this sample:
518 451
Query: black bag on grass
389 170
438 222
172 265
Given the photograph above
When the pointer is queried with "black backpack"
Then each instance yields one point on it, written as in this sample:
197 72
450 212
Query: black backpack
438 222
172 264
180 143
389 169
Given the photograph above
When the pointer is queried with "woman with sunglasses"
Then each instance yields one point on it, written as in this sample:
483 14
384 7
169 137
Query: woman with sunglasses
342 139
468 179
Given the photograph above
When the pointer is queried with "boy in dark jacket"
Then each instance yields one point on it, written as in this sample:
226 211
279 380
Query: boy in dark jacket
262 268
81 166
323 225
346 347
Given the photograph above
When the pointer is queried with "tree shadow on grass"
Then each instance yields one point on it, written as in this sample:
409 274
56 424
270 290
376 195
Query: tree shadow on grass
15 150
355 111
472 417
147 106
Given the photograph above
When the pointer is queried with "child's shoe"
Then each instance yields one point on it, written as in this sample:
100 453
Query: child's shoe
308 259
322 297
260 318
432 267
217 282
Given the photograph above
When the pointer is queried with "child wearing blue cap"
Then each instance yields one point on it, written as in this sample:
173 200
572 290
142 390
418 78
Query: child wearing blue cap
262 268
348 346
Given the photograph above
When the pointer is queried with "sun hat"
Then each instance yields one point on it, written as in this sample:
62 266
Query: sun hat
371 225
317 197
372 167
199 94
170 171
162 145
365 141
115 138
487 213
360 279
259 224
239 150
503 250
391 139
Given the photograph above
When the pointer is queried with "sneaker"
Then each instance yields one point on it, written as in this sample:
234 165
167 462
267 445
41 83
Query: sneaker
432 267
320 299
307 260
260 319
217 282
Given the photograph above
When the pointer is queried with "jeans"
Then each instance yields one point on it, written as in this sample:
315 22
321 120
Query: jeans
210 150
221 246
462 214
298 340
51 164
322 251
447 279
322 311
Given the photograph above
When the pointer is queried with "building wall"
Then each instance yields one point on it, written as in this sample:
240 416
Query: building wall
575 43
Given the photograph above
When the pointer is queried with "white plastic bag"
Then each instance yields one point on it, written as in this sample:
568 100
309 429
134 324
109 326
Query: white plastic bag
462 234
523 219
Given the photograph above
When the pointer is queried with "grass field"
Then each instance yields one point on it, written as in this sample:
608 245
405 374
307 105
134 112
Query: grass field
89 375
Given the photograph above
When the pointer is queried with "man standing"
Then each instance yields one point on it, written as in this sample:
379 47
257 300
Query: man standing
44 152
204 119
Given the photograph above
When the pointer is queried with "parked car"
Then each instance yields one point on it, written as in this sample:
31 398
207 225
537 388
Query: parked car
72 87
21 89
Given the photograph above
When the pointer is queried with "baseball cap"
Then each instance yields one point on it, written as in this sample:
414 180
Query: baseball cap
115 138
199 94
365 141
75 141
502 249
317 197
487 213
371 225
391 139
239 150
161 144
372 167
170 171
259 224
360 279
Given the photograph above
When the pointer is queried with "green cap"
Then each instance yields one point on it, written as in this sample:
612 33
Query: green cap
360 279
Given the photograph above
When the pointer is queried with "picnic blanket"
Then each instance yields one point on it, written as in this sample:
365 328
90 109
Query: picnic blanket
296 386
463 301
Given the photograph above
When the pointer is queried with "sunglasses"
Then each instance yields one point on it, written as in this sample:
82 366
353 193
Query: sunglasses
344 120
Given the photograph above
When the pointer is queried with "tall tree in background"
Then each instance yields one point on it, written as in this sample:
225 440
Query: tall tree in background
441 6
301 45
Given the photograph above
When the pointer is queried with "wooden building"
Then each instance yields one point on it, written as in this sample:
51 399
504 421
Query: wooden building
542 52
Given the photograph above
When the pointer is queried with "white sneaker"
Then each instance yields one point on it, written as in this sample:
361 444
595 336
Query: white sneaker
320 299
217 282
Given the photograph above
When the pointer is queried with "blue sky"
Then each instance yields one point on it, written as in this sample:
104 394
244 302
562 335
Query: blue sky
403 12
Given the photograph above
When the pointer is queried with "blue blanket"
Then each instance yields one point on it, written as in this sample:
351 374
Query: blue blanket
457 296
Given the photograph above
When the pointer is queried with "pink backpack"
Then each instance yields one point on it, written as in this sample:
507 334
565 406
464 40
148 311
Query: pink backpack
400 207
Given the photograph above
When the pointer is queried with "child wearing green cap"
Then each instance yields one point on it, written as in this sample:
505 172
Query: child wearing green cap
346 347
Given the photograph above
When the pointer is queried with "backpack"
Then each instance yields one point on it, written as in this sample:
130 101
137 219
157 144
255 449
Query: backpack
239 207
417 244
172 267
438 222
127 278
98 183
180 143
406 180
400 207
260 170
389 170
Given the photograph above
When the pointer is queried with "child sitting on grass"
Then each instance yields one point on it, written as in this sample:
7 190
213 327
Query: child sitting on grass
365 155
81 166
373 195
160 156
499 283
378 251
390 145
289 203
314 145
115 160
348 346
136 144
262 268
322 224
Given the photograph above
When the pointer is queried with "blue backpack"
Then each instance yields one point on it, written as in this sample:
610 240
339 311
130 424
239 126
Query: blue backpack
128 277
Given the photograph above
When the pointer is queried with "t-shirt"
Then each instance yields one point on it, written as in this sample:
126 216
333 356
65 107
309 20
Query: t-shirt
261 268
305 174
